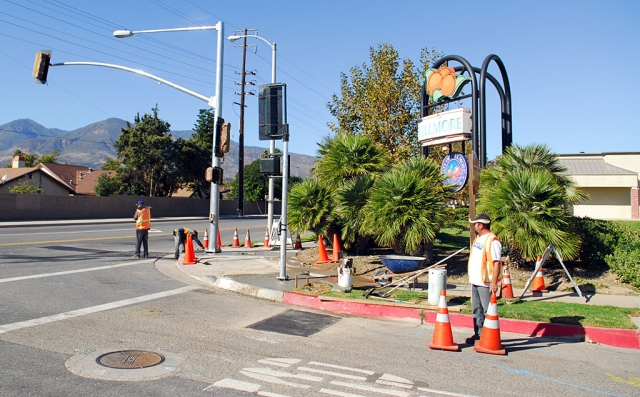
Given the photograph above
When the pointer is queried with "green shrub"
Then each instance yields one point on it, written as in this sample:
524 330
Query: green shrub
625 259
599 239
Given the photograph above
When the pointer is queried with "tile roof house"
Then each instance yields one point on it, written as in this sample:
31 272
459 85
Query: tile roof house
51 178
612 181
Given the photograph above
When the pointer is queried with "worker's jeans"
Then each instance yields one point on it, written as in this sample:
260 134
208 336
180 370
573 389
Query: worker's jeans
480 297
142 237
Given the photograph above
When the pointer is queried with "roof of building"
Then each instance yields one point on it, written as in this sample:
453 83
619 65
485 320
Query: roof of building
15 173
592 167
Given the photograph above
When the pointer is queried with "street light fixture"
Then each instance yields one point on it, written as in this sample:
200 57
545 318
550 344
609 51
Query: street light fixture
272 143
216 103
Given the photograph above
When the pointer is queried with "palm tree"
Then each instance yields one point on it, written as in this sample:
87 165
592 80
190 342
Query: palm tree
351 199
528 200
310 207
345 157
406 206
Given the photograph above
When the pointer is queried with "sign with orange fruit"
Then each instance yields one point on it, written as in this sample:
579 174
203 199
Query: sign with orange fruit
443 83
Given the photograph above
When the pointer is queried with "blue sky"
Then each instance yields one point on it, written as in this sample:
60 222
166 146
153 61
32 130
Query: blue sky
570 63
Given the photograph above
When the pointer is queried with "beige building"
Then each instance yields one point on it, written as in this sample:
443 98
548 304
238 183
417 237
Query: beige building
611 179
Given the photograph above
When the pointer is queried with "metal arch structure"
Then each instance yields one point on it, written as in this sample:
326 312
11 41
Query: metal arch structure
478 101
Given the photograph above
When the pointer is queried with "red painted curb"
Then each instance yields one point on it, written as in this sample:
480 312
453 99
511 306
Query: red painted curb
625 338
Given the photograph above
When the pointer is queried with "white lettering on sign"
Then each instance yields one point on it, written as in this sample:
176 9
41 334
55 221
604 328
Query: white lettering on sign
453 122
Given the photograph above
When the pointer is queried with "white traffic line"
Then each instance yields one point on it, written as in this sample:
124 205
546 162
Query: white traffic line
93 309
336 374
283 374
364 371
75 232
235 385
444 393
90 269
389 392
340 393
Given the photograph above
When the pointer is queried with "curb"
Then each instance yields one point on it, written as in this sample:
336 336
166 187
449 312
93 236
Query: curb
623 338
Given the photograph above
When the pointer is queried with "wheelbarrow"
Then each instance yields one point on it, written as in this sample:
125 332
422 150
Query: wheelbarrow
402 262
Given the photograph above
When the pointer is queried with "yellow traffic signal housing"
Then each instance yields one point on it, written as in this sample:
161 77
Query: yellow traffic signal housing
41 66
222 138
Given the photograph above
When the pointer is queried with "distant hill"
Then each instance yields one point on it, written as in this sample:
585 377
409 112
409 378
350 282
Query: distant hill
92 144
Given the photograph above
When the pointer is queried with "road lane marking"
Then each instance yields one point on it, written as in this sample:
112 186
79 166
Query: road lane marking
446 393
91 269
94 309
76 240
337 374
340 393
283 374
390 392
280 362
364 371
273 379
234 384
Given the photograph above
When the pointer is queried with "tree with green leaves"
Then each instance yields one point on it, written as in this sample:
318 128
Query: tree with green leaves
111 164
148 156
107 185
529 201
194 155
382 99
25 188
50 158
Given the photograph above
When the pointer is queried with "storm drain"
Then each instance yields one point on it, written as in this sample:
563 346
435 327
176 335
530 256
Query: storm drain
130 359
293 322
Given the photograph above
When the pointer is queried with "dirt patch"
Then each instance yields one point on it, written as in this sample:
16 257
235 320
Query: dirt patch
589 280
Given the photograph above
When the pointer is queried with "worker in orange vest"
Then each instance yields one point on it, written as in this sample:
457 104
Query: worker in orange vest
143 224
181 234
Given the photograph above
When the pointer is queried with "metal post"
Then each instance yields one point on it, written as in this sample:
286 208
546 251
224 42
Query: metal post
272 146
285 179
241 130
215 161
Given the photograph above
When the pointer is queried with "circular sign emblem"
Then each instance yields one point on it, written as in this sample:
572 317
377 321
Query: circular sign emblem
456 168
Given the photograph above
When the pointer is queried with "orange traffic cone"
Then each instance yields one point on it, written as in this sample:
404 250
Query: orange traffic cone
506 290
247 240
298 245
442 335
538 281
322 252
335 252
219 239
236 240
490 342
189 255
266 238
205 240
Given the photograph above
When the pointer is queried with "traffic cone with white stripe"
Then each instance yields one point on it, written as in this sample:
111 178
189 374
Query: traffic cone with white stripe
442 334
247 240
298 245
490 342
506 291
266 238
219 239
205 240
538 281
236 240
189 255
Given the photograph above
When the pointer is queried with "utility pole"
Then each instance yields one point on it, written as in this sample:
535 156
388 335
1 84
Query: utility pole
242 94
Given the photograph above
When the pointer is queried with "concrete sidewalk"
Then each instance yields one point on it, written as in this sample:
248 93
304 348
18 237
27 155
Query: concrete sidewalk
255 271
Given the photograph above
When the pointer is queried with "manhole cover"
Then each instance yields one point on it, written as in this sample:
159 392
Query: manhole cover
130 359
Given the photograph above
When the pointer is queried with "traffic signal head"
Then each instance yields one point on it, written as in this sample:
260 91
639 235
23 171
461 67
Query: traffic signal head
41 66
222 138
272 110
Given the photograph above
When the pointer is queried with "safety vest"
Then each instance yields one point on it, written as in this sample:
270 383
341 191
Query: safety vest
487 260
143 220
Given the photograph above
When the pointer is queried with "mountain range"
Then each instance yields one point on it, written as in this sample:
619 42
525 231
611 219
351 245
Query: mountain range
91 145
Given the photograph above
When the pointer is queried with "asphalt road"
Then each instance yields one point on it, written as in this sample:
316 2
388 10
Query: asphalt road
71 294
